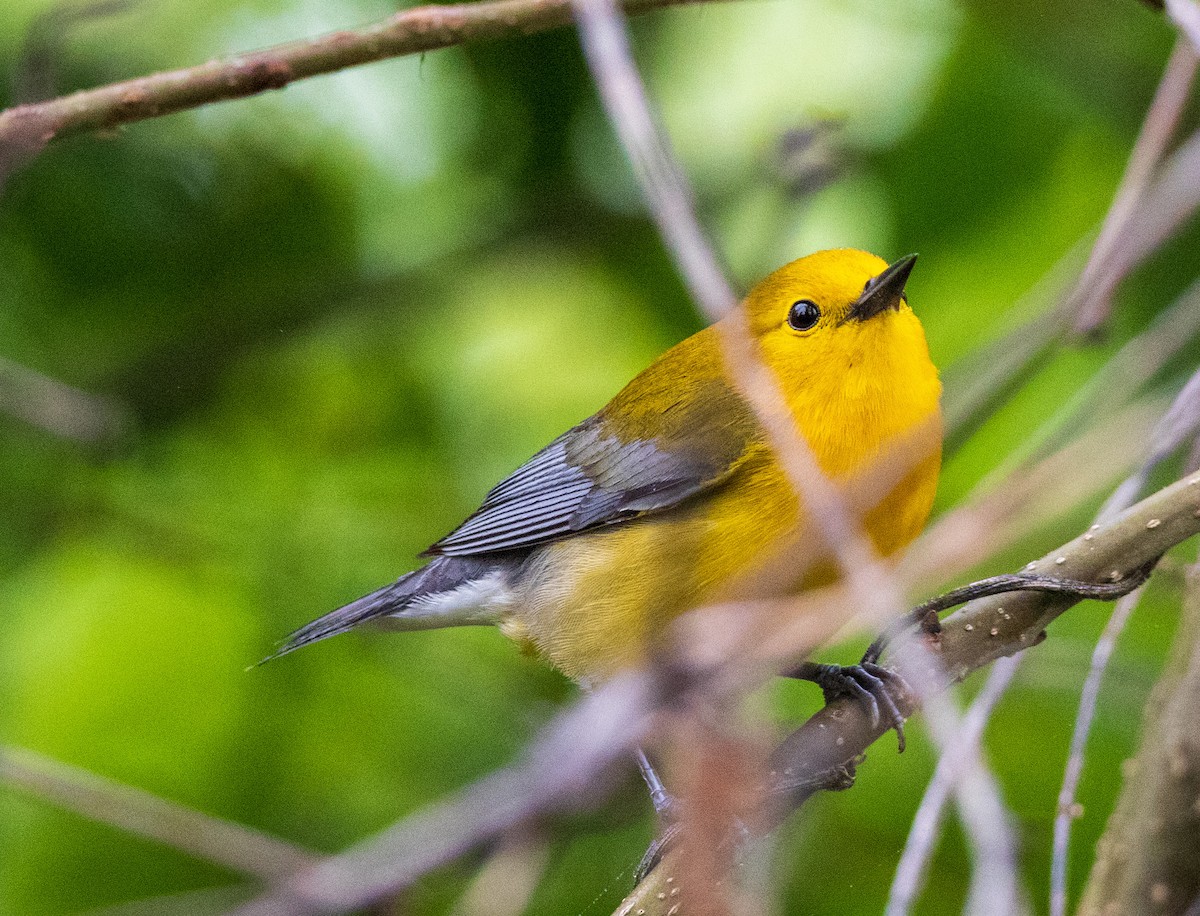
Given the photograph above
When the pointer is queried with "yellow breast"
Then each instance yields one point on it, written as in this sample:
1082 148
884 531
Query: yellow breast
597 602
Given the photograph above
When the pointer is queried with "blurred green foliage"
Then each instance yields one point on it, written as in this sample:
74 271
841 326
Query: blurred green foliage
340 312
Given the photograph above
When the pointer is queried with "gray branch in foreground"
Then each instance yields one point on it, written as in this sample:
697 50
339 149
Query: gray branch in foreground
562 769
239 848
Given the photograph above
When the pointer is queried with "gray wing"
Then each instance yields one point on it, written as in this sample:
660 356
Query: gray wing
587 478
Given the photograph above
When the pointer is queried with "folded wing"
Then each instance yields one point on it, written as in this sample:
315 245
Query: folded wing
591 476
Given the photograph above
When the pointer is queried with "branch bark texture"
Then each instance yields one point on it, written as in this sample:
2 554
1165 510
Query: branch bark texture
26 129
1149 858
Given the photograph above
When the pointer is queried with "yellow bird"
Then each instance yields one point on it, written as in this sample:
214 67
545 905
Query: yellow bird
670 494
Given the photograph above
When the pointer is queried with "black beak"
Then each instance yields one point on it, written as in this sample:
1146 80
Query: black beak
884 292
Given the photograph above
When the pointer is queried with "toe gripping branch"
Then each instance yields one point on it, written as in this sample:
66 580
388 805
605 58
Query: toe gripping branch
925 616
884 693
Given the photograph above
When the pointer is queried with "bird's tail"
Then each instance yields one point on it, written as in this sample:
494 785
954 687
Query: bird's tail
447 592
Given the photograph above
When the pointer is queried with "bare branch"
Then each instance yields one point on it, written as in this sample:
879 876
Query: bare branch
412 31
234 846
910 872
1093 299
606 44
1170 201
561 769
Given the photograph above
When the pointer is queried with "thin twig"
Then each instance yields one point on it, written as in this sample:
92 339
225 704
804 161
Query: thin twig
918 848
239 848
1093 299
1065 812
1170 200
1178 425
606 45
1186 15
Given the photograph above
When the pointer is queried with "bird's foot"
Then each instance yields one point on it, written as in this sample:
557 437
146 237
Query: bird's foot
876 688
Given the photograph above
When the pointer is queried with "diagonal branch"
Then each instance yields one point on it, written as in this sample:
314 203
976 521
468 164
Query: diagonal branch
26 129
1092 298
239 848
562 769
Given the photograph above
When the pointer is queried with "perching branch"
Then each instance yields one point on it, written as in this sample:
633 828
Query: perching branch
828 745
26 129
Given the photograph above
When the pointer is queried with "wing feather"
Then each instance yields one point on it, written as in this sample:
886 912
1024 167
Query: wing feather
594 475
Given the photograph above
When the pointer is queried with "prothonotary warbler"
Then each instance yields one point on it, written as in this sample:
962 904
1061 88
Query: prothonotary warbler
670 492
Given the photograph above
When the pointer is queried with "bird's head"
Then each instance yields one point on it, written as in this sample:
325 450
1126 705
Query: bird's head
838 321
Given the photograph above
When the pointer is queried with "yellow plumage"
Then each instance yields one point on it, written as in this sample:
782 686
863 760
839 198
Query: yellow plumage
669 495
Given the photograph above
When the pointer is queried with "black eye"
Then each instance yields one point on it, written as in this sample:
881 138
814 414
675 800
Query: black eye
804 315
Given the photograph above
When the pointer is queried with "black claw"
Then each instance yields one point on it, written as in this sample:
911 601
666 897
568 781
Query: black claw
843 683
889 683
869 684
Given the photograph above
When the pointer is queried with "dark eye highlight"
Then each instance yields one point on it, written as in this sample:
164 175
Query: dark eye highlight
803 315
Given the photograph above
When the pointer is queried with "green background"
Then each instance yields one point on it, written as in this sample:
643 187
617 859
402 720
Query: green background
336 314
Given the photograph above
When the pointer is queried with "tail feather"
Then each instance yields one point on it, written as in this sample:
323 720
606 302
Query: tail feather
411 602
